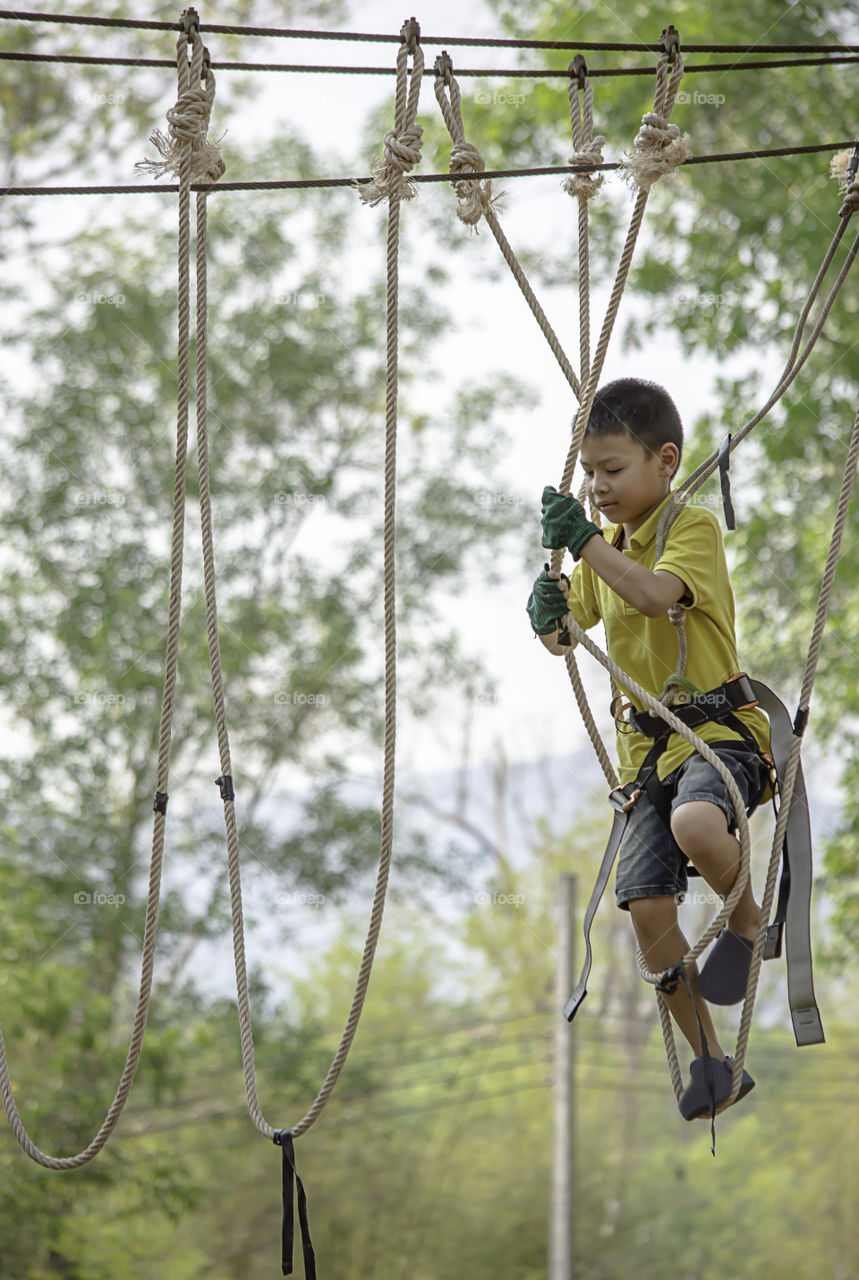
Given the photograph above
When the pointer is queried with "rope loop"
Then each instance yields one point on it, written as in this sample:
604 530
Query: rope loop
586 148
473 198
402 144
188 120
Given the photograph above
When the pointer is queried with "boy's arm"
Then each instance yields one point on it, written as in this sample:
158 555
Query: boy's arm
650 593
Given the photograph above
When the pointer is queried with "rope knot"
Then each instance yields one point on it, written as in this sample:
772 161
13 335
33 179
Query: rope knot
586 184
475 197
189 123
659 149
403 148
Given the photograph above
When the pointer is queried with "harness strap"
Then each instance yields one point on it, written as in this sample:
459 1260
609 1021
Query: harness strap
618 799
795 895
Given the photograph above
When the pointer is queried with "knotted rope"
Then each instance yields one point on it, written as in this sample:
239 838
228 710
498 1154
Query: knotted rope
188 124
187 75
402 146
467 159
659 146
586 148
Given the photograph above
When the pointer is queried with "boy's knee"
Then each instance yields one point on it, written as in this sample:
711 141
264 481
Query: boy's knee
696 824
651 917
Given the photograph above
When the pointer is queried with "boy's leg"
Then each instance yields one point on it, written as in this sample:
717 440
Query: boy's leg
701 830
663 944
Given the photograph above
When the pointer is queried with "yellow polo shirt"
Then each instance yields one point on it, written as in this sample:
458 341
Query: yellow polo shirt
646 648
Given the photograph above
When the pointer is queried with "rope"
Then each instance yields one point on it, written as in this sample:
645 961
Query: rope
475 200
792 367
398 161
186 73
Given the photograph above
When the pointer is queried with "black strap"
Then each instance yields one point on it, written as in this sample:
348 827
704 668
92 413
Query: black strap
668 985
283 1139
618 827
725 481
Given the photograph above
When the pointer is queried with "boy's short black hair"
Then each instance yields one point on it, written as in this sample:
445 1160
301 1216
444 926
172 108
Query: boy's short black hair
642 409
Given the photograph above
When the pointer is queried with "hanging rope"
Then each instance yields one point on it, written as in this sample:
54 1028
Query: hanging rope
184 142
474 199
391 183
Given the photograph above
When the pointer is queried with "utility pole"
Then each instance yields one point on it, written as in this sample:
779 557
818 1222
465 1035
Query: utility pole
563 1167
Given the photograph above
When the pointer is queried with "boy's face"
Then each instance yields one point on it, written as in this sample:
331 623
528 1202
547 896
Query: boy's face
624 481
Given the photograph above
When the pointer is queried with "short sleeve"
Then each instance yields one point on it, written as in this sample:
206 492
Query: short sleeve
584 605
695 554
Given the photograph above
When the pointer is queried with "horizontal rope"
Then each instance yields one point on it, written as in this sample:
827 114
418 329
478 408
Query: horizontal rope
488 42
533 73
287 184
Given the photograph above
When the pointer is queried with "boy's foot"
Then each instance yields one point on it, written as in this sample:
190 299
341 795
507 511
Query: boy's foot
725 972
695 1101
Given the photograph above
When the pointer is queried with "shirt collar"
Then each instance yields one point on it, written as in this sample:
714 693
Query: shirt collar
646 533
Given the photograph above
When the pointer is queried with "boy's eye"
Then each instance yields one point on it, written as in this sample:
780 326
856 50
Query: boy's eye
613 471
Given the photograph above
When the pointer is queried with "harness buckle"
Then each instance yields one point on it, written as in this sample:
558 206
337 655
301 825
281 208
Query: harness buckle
744 685
631 802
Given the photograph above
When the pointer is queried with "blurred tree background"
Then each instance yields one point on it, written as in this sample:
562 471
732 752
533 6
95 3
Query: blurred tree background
432 1160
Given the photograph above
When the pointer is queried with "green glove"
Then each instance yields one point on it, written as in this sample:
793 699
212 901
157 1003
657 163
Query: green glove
565 523
547 604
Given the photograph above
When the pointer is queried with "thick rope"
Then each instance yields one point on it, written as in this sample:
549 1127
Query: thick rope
792 368
399 158
475 199
187 74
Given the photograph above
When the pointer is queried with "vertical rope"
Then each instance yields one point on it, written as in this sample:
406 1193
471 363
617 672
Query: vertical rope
171 662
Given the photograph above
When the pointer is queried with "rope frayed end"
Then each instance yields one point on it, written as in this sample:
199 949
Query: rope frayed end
207 163
843 167
659 149
390 173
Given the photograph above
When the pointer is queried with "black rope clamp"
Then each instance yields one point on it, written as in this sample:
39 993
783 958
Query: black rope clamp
283 1138
160 803
190 21
669 42
410 33
800 721
578 70
725 482
670 979
443 67
225 782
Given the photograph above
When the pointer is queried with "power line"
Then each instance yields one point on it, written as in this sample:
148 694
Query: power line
486 42
536 73
281 184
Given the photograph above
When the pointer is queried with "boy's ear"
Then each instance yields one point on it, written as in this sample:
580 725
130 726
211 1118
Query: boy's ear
669 459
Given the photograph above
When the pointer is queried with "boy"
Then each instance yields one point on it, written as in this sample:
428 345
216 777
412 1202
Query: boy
630 453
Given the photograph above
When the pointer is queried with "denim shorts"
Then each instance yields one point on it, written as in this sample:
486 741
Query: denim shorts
650 862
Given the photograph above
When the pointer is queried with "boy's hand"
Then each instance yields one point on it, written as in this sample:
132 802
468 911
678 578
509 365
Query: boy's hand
565 523
547 603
